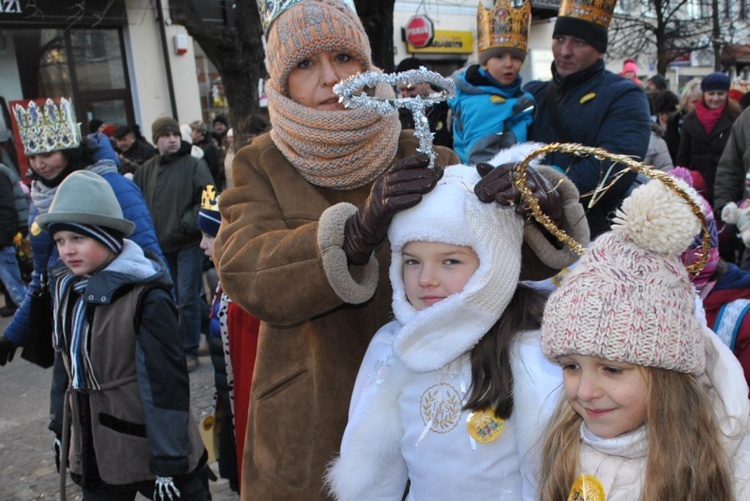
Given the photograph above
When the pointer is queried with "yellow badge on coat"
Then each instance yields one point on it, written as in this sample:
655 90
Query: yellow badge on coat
587 488
484 426
588 97
494 98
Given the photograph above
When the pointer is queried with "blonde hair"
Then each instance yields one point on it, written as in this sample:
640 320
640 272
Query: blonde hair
692 88
687 460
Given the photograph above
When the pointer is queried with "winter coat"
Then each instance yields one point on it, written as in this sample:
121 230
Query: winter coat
657 154
487 117
137 421
172 186
388 442
619 463
732 171
212 157
701 151
20 194
8 214
595 108
44 253
279 257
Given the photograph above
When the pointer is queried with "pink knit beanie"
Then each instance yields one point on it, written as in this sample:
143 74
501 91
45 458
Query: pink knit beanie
629 299
693 254
311 27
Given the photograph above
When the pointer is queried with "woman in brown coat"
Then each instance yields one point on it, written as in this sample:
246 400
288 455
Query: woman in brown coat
300 243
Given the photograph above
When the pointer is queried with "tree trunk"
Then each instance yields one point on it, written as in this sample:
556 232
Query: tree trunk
377 19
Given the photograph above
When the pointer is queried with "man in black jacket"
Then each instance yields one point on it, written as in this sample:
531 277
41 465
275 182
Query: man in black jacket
172 183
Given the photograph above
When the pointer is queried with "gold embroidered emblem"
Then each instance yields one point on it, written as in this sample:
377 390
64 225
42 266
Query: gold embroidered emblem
587 488
440 405
484 426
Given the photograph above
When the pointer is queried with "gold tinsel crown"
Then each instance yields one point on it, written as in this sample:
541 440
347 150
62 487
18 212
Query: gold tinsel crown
46 126
595 11
271 9
503 26
209 198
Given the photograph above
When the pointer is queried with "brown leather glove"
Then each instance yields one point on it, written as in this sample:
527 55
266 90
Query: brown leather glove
399 188
497 184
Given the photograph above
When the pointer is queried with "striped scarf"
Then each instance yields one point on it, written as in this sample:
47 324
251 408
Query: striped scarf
341 150
73 331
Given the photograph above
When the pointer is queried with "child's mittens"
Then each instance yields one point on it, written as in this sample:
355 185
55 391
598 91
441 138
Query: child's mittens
732 214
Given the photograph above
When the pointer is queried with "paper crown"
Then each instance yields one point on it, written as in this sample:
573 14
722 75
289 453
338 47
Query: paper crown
271 9
503 26
209 198
594 11
46 126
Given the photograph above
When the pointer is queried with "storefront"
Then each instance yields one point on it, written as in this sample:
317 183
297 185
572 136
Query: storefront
50 48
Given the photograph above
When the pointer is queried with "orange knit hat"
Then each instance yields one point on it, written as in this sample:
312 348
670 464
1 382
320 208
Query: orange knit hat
311 27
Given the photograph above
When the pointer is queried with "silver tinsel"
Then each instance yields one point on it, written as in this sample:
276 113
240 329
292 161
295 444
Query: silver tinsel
349 92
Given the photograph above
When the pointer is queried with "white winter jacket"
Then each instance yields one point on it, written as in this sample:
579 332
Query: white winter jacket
405 425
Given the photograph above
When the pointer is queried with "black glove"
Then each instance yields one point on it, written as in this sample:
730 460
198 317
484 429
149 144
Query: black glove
498 185
56 449
7 350
401 187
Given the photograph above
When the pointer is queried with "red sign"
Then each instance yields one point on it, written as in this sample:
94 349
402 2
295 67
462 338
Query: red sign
419 31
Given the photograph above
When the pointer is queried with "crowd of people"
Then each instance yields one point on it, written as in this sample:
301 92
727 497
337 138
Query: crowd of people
383 328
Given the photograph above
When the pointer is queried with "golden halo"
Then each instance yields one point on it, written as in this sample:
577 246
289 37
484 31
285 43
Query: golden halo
630 165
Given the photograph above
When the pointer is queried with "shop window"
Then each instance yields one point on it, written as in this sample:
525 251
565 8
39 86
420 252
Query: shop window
87 64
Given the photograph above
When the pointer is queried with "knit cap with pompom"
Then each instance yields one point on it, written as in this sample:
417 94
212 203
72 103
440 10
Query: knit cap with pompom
630 299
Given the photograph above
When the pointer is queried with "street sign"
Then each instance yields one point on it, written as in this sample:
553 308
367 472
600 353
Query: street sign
419 31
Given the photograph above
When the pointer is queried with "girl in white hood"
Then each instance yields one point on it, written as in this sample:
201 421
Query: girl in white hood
453 393
655 404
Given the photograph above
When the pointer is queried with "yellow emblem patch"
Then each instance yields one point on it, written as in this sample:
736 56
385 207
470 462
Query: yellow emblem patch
494 98
587 488
588 97
35 229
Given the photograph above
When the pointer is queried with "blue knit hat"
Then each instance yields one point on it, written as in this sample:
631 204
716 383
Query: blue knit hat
209 217
715 81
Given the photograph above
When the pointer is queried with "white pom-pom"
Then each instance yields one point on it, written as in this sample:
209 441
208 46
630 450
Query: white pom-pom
658 219
516 153
730 213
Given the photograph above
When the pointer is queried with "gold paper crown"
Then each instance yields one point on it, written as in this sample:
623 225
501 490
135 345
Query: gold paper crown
595 11
503 26
209 198
271 9
47 126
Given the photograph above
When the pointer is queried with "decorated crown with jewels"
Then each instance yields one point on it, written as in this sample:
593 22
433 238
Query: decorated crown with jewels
595 11
271 9
209 198
503 26
46 126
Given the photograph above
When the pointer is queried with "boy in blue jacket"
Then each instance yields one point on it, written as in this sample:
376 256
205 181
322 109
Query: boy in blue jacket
490 111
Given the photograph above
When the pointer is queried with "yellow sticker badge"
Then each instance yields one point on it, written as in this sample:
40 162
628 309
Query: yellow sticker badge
484 426
494 98
35 229
588 97
587 488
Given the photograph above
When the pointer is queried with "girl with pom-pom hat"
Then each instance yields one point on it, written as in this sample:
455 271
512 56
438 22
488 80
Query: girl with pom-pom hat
655 406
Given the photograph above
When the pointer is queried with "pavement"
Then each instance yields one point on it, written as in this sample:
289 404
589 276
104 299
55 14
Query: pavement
27 464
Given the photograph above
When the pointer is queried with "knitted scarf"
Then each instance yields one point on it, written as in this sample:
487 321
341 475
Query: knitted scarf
708 118
73 331
342 150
